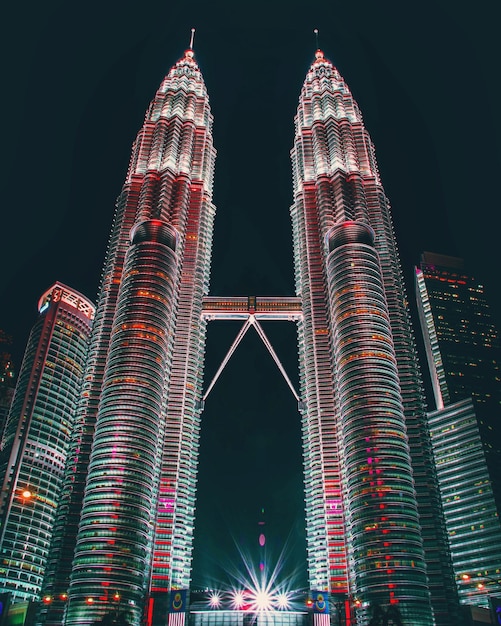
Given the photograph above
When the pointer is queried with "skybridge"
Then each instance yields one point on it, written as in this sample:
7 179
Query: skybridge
252 310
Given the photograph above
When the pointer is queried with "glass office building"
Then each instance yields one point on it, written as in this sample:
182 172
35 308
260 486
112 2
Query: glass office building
463 354
37 436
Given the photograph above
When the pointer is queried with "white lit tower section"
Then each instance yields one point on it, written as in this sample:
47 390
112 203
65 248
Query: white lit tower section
363 413
139 425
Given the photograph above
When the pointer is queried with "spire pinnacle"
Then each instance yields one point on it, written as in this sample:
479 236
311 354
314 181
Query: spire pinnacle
192 38
319 55
316 36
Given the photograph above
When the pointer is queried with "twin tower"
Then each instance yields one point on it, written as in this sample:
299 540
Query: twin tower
373 525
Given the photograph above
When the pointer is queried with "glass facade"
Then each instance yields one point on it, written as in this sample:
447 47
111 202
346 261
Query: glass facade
463 352
470 511
241 618
37 434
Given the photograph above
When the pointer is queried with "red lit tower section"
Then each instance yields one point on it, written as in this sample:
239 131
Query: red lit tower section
338 192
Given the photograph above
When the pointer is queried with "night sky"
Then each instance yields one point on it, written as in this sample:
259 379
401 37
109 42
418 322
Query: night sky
77 79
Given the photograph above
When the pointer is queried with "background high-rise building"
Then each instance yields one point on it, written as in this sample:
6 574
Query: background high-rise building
463 352
37 435
463 347
471 516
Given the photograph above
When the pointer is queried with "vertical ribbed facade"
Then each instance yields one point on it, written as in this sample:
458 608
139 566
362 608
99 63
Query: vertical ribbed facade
137 431
114 544
37 436
374 526
381 510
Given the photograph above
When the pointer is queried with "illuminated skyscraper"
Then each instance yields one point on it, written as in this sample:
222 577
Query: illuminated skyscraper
37 435
375 531
140 407
373 519
463 351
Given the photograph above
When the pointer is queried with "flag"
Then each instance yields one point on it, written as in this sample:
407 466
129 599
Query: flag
177 601
177 607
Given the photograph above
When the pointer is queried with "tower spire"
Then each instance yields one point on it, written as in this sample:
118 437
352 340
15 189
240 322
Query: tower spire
315 30
192 38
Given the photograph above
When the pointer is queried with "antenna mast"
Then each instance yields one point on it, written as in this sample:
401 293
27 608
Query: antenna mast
316 37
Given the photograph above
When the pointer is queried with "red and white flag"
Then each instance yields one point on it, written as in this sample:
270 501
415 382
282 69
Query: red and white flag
177 619
321 619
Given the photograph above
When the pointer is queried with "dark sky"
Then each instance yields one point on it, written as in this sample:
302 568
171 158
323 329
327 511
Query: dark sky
77 79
